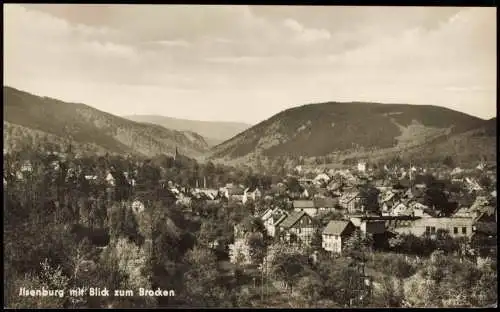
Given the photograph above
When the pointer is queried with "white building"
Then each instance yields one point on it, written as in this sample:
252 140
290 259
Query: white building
336 234
361 166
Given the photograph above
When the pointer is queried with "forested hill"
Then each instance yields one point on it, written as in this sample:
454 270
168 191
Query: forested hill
328 128
31 119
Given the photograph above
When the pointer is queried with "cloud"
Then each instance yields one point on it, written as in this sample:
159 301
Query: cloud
306 35
173 43
109 49
248 60
261 57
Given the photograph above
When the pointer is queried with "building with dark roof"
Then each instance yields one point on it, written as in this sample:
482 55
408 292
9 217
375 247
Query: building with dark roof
297 228
335 234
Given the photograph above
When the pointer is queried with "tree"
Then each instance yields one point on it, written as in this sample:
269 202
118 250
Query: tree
435 197
289 267
340 280
485 290
207 233
358 245
369 195
294 186
51 278
421 293
257 247
201 279
310 287
485 182
387 296
317 240
449 162
445 242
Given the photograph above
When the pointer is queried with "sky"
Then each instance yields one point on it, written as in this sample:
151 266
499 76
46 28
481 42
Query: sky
247 63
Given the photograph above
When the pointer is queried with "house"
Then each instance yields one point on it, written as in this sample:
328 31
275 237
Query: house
414 193
137 206
480 202
326 204
370 224
351 201
335 234
456 171
276 226
55 165
473 185
419 210
464 212
321 178
305 193
361 166
26 167
305 181
271 218
334 186
91 178
387 200
456 227
305 205
208 193
401 209
251 194
130 180
110 180
297 228
209 202
235 193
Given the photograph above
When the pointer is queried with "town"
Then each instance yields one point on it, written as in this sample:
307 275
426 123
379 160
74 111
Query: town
351 236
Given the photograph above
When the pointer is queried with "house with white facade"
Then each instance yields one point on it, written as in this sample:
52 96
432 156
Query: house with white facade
251 194
335 234
362 166
271 219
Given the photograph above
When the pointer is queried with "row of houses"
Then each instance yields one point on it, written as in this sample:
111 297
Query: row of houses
298 226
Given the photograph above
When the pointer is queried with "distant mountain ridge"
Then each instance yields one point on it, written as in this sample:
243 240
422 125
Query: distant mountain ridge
346 129
39 119
214 132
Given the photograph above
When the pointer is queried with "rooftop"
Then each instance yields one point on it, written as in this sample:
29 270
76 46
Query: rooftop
336 227
293 218
303 204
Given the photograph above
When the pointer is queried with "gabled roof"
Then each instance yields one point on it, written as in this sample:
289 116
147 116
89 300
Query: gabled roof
236 191
251 189
303 204
347 197
326 202
281 219
293 218
212 201
336 227
334 185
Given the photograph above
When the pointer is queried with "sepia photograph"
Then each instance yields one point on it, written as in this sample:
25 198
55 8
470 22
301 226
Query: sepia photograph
249 156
